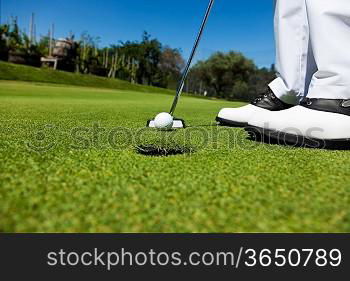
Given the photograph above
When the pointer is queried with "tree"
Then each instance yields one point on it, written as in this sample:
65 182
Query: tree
222 71
88 55
14 39
4 33
147 55
261 78
170 67
18 47
43 45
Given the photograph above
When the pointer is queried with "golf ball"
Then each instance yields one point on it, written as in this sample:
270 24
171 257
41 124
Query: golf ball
163 121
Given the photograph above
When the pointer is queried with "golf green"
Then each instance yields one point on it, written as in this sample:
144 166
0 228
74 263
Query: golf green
69 163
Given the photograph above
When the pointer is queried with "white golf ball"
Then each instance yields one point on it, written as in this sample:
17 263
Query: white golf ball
163 121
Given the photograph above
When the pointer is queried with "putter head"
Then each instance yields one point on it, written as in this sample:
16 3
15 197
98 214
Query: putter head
178 124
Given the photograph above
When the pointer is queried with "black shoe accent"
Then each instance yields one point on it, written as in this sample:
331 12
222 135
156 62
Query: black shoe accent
229 123
269 101
328 105
280 138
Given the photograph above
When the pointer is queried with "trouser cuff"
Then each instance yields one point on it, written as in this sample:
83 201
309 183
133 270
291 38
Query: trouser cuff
280 90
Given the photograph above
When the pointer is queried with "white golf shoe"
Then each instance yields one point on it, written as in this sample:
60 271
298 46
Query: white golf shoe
239 117
317 123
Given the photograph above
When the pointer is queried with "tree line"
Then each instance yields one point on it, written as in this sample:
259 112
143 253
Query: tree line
227 75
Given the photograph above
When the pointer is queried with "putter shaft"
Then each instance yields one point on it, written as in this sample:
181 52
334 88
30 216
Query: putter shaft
187 69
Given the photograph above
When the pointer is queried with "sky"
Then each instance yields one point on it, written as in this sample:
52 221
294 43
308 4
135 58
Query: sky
240 25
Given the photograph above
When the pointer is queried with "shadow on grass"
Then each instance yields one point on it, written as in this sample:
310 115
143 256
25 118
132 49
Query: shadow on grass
288 140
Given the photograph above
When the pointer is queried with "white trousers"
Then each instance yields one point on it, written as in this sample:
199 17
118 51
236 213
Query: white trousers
312 49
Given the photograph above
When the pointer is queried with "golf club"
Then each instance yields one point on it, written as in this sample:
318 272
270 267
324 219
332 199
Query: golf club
179 123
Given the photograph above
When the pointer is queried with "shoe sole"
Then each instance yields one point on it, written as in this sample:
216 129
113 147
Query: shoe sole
281 138
229 123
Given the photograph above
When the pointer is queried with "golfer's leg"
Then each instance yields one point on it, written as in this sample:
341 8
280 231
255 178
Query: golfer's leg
330 36
294 65
324 116
294 59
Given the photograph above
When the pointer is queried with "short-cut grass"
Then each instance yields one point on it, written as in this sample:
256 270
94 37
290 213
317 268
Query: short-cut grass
17 72
69 164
